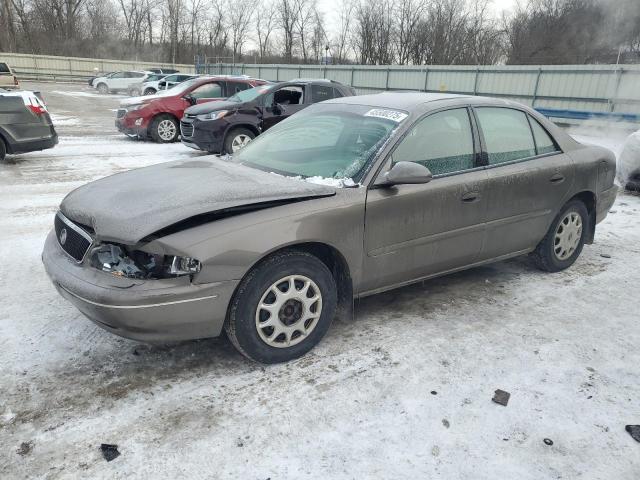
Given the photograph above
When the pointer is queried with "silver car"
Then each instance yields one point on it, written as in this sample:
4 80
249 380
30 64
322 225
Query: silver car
348 198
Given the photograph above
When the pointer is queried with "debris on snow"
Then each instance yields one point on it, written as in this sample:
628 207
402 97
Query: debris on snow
446 423
501 397
548 441
109 452
25 448
433 392
634 431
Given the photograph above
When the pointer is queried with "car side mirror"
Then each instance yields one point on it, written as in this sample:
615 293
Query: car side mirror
191 99
278 109
407 173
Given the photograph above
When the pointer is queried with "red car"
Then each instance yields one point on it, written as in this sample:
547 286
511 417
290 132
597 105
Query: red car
158 116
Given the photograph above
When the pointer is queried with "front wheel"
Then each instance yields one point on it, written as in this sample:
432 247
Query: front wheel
164 129
237 139
563 243
149 91
3 150
103 89
282 308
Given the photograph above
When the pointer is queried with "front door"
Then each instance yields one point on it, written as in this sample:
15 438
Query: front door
282 103
414 231
529 178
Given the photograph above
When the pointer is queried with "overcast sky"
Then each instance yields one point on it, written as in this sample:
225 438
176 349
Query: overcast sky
330 9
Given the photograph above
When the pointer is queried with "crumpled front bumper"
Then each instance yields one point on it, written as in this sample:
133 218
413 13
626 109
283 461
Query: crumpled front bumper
147 310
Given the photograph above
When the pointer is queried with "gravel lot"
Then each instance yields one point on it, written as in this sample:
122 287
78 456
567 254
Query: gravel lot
402 391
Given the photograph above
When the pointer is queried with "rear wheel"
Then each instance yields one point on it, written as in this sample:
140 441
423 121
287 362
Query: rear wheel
563 243
103 89
237 139
149 91
282 308
164 129
3 150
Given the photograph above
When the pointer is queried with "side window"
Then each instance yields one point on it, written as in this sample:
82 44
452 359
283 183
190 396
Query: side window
544 142
137 74
289 96
4 68
337 93
235 87
506 133
118 75
442 142
208 90
319 93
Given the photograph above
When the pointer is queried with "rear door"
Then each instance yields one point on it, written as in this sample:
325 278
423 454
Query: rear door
414 231
529 178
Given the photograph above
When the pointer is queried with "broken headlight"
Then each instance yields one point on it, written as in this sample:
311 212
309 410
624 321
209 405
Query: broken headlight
117 260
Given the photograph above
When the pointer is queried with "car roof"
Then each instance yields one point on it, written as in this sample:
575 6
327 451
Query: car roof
402 100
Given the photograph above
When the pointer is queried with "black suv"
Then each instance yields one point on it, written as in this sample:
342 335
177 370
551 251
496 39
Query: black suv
25 124
227 126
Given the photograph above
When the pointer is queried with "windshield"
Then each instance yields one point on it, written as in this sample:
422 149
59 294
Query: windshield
330 141
251 94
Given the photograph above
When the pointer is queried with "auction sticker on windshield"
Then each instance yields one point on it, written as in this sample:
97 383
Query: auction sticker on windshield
393 115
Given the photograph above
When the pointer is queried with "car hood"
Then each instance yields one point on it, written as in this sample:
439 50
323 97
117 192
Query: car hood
211 107
128 207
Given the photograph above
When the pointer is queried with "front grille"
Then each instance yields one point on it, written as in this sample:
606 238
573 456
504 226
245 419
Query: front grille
73 239
186 129
121 112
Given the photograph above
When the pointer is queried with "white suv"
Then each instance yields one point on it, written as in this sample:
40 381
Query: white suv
119 81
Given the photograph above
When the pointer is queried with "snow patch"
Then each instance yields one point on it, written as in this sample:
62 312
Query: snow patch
83 94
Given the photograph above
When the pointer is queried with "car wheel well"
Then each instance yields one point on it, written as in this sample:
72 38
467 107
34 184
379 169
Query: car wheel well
248 126
337 265
589 199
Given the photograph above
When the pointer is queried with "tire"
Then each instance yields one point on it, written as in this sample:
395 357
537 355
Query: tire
164 129
102 88
3 150
249 327
150 91
236 137
564 241
134 92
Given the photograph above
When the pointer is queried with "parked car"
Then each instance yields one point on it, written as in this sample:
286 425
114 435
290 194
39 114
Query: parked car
158 116
231 125
25 124
408 186
137 89
166 71
151 87
119 81
8 79
629 163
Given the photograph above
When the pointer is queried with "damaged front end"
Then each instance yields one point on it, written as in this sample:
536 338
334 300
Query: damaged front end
124 262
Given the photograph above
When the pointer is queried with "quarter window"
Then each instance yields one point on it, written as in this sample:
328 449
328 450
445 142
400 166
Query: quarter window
544 142
506 133
442 142
208 90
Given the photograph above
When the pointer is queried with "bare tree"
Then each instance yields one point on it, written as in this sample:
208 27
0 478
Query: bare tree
240 14
342 37
287 18
265 22
408 13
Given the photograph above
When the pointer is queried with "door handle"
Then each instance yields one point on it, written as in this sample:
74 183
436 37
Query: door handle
470 197
557 178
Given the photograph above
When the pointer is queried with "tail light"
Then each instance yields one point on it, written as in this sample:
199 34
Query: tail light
15 81
36 106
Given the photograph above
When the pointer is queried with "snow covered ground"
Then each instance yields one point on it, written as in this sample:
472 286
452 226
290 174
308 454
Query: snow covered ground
402 391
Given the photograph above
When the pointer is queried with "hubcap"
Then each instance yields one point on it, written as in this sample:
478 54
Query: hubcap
288 311
239 142
568 235
166 130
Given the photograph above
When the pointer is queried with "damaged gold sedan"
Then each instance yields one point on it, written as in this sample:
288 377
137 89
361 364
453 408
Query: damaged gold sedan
348 198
